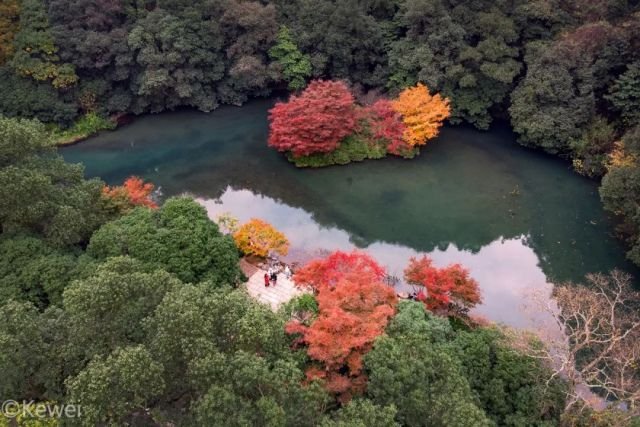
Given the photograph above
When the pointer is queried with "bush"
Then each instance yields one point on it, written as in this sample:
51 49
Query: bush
353 148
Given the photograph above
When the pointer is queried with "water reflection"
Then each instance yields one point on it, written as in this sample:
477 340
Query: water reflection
506 269
518 218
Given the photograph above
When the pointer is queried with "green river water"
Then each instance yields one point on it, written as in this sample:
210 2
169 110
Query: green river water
518 219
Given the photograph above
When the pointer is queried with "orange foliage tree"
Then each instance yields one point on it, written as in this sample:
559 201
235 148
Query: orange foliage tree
450 288
258 237
134 192
354 306
422 113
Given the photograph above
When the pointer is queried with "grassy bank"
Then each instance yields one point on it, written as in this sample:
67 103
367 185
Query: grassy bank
86 126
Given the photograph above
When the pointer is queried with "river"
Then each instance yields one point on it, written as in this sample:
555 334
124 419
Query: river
520 220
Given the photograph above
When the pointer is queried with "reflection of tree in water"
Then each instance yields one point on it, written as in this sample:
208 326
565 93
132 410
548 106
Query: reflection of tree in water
467 188
562 255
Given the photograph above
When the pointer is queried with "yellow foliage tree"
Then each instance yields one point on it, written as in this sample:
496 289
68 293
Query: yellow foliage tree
258 237
619 158
422 113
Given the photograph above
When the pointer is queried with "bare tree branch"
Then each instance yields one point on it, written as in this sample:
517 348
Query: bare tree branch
598 353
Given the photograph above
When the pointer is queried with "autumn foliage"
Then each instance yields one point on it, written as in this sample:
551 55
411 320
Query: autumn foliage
258 237
134 192
328 272
355 306
387 125
422 113
315 121
325 126
450 288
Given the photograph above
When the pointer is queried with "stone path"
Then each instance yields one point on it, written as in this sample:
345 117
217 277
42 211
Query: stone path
274 296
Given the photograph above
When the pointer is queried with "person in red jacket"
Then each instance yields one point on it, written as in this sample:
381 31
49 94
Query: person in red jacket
266 280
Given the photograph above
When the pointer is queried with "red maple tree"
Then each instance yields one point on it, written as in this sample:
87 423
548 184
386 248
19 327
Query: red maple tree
134 192
355 306
386 124
315 121
327 272
450 288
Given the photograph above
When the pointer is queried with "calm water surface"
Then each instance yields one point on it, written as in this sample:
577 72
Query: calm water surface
518 219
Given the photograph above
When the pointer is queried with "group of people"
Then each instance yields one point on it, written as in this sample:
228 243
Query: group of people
271 276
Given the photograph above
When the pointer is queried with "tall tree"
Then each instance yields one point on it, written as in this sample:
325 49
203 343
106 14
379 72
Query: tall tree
449 288
413 369
250 29
36 54
31 270
41 193
22 351
92 35
9 14
422 113
314 121
106 310
258 237
354 307
179 237
625 94
620 190
113 388
559 97
296 67
179 59
343 39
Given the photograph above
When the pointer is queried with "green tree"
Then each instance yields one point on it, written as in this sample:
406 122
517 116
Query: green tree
106 310
195 322
620 190
362 413
9 14
590 151
178 237
25 97
511 387
244 389
21 351
624 94
560 95
249 29
35 50
179 60
296 67
94 40
341 37
31 270
467 51
119 386
422 378
39 192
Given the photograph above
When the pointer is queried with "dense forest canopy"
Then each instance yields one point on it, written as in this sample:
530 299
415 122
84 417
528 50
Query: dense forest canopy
127 56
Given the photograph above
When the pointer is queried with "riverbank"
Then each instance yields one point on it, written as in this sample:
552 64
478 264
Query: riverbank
87 126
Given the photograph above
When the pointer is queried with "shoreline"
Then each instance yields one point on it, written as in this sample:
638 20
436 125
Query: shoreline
117 121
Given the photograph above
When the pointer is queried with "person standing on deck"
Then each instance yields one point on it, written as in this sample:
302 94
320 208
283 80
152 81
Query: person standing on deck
266 280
